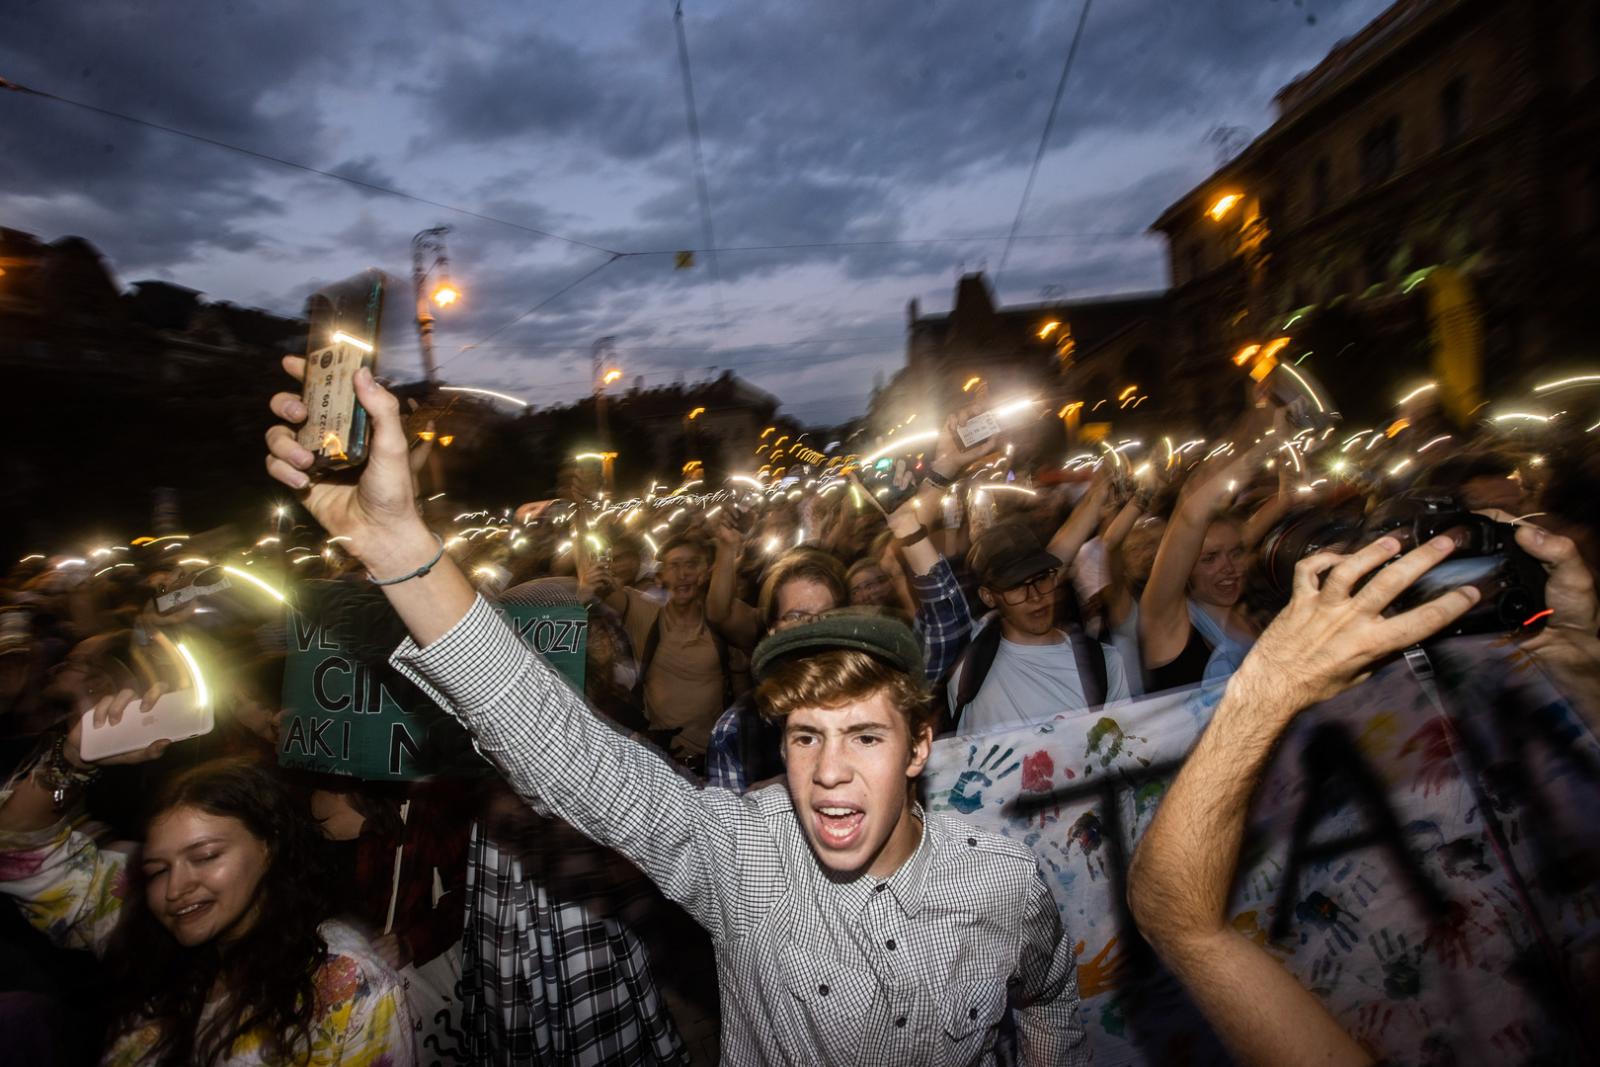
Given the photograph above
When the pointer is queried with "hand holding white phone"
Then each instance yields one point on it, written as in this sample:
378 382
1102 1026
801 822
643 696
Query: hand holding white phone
176 716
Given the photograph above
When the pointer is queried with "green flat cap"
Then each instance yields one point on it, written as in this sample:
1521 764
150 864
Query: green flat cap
863 629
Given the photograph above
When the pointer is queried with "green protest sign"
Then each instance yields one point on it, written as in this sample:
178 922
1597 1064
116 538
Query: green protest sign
348 712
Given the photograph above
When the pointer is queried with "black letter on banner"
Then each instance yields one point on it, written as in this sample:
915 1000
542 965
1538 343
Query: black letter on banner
543 635
1140 965
400 740
1334 773
318 726
346 753
332 663
296 736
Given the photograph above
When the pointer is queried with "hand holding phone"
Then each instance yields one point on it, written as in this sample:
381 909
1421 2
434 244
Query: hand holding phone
343 339
119 726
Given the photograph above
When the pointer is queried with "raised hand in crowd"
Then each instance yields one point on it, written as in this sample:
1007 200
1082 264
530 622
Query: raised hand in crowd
1328 638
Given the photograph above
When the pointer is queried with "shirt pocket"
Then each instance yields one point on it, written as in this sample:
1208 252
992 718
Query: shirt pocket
971 1015
830 1002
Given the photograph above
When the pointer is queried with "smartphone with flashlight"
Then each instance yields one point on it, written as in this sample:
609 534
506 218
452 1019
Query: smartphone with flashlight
177 716
343 338
978 429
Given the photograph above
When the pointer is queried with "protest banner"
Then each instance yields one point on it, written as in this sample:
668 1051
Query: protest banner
347 711
1425 864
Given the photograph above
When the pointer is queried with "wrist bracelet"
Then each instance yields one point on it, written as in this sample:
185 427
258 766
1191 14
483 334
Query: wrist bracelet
937 479
59 776
420 572
920 535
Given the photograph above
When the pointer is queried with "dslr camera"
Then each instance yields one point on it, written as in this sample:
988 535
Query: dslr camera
1510 582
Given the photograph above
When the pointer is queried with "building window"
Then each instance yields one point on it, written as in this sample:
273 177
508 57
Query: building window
1380 151
1453 110
1319 186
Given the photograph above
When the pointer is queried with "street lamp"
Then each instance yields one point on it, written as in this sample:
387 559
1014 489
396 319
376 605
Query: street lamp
603 347
1224 204
428 255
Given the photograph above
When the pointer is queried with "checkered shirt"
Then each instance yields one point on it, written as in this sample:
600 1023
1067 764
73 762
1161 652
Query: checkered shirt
547 982
944 622
920 968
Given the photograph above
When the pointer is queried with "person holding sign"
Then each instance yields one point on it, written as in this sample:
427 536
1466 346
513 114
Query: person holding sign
1328 639
849 925
221 952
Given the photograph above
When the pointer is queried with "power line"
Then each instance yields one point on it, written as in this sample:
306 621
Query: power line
1044 139
701 189
541 304
370 186
576 345
1103 235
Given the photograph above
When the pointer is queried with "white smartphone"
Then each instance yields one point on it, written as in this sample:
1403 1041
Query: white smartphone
979 429
177 716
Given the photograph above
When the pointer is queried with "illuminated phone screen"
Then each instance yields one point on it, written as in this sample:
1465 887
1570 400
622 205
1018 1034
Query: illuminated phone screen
343 338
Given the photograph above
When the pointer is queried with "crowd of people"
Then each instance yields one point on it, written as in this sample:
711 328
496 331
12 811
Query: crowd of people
718 848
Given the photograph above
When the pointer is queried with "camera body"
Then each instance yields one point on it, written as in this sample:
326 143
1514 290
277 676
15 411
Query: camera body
1510 582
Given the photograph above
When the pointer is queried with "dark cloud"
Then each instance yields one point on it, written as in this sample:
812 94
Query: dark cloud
824 122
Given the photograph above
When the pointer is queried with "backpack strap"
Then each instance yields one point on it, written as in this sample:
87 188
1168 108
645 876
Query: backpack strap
652 644
1091 667
973 666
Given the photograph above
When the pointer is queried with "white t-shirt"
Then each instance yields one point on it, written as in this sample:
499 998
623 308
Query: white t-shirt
1033 683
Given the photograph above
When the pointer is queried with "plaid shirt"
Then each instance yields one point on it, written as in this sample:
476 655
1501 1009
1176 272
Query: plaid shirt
547 982
919 968
944 622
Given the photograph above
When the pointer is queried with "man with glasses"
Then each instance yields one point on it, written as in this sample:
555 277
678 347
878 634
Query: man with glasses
1030 660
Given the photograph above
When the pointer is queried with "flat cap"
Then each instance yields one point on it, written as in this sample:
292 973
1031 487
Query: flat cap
863 629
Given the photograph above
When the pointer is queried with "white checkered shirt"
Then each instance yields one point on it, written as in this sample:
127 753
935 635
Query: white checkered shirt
918 969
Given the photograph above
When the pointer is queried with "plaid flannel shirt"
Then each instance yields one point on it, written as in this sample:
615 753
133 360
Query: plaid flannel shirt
944 622
547 982
922 967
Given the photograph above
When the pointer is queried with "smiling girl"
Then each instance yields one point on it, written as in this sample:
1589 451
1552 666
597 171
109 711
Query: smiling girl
215 934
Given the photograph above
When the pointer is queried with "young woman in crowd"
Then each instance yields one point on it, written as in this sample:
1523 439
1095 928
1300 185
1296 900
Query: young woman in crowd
215 935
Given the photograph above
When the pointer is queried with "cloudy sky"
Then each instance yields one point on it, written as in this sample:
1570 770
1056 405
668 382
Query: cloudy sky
861 131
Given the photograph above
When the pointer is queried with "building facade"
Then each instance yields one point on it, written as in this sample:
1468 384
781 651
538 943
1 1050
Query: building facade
1058 353
1454 134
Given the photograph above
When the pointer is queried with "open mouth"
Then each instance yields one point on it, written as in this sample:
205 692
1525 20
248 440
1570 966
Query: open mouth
838 826
193 911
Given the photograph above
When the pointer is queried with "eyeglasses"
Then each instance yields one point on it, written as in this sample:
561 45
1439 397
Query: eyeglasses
795 618
1042 584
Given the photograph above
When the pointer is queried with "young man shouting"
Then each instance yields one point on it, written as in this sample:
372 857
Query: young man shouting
849 926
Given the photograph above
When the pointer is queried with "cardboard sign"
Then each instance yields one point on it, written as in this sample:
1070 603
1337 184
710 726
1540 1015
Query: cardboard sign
349 712
1431 871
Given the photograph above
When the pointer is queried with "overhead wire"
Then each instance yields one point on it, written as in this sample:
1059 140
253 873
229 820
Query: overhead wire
702 190
1044 139
552 298
293 164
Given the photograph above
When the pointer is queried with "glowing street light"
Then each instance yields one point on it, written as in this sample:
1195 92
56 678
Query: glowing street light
610 376
428 255
1224 204
446 295
970 383
1048 328
696 413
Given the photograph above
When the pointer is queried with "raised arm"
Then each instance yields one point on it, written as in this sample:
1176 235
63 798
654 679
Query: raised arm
1178 884
1163 616
1118 596
521 713
1081 525
739 628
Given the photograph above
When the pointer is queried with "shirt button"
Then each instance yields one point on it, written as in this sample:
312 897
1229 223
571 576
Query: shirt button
973 841
889 944
880 887
900 1022
972 1013
823 989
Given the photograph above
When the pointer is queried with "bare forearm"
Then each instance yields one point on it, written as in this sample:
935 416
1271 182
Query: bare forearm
724 575
1183 870
431 604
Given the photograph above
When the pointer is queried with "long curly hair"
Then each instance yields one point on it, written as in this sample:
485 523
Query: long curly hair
267 975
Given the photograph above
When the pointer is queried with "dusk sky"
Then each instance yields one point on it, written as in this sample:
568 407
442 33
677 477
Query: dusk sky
823 123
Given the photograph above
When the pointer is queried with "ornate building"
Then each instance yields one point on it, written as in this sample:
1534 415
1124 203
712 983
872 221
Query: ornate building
1447 133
